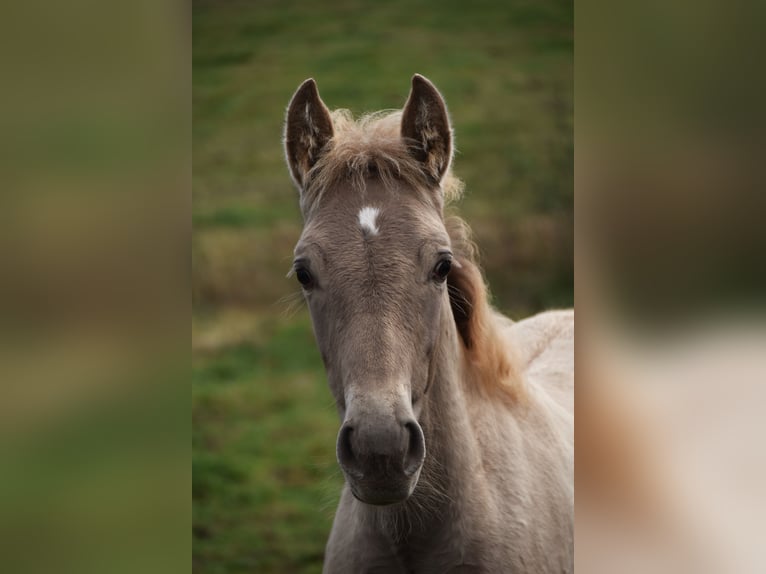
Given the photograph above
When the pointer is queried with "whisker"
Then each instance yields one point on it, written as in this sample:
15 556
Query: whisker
292 303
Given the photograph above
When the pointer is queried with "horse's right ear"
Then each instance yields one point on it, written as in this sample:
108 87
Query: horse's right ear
308 128
426 128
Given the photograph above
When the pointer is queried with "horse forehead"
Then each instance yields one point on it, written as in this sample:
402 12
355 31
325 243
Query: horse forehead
379 220
372 223
373 241
368 220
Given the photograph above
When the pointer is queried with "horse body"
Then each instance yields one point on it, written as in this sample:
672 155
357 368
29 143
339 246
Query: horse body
457 423
496 491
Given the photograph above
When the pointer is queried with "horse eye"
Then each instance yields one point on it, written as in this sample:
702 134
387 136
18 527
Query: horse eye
304 277
442 269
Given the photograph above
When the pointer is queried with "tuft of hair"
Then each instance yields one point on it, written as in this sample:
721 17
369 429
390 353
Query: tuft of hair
490 365
370 146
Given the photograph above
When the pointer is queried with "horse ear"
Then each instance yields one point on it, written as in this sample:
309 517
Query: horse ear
308 128
426 128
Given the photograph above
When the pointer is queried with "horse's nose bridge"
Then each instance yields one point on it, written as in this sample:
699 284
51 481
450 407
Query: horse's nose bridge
373 347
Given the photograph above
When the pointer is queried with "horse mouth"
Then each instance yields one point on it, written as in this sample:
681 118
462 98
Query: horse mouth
380 497
383 492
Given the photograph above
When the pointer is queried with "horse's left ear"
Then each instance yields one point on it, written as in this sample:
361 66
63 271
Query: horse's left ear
308 129
426 128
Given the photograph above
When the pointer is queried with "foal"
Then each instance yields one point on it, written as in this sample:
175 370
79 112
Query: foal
456 440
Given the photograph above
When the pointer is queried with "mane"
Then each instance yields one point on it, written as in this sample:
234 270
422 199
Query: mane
488 359
372 145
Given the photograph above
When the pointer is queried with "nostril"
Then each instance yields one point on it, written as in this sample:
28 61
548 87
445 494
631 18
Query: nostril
416 448
345 453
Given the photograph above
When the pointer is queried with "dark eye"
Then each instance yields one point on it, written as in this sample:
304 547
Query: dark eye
441 270
304 277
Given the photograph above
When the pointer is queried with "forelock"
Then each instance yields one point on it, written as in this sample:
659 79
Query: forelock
370 147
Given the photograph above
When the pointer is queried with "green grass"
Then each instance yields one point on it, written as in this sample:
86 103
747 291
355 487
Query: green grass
265 479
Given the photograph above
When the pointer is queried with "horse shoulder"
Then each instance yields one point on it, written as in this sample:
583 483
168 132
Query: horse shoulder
543 345
543 348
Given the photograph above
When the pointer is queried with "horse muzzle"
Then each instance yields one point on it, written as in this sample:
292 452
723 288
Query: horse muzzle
381 459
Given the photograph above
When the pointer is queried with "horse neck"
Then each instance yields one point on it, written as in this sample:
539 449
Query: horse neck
451 442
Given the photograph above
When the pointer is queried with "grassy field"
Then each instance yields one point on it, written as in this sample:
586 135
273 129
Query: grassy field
265 479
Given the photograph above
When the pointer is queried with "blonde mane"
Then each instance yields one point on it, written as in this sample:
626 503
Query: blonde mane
489 362
372 146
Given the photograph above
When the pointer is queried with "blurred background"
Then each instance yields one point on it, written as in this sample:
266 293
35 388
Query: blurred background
265 480
94 297
671 278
